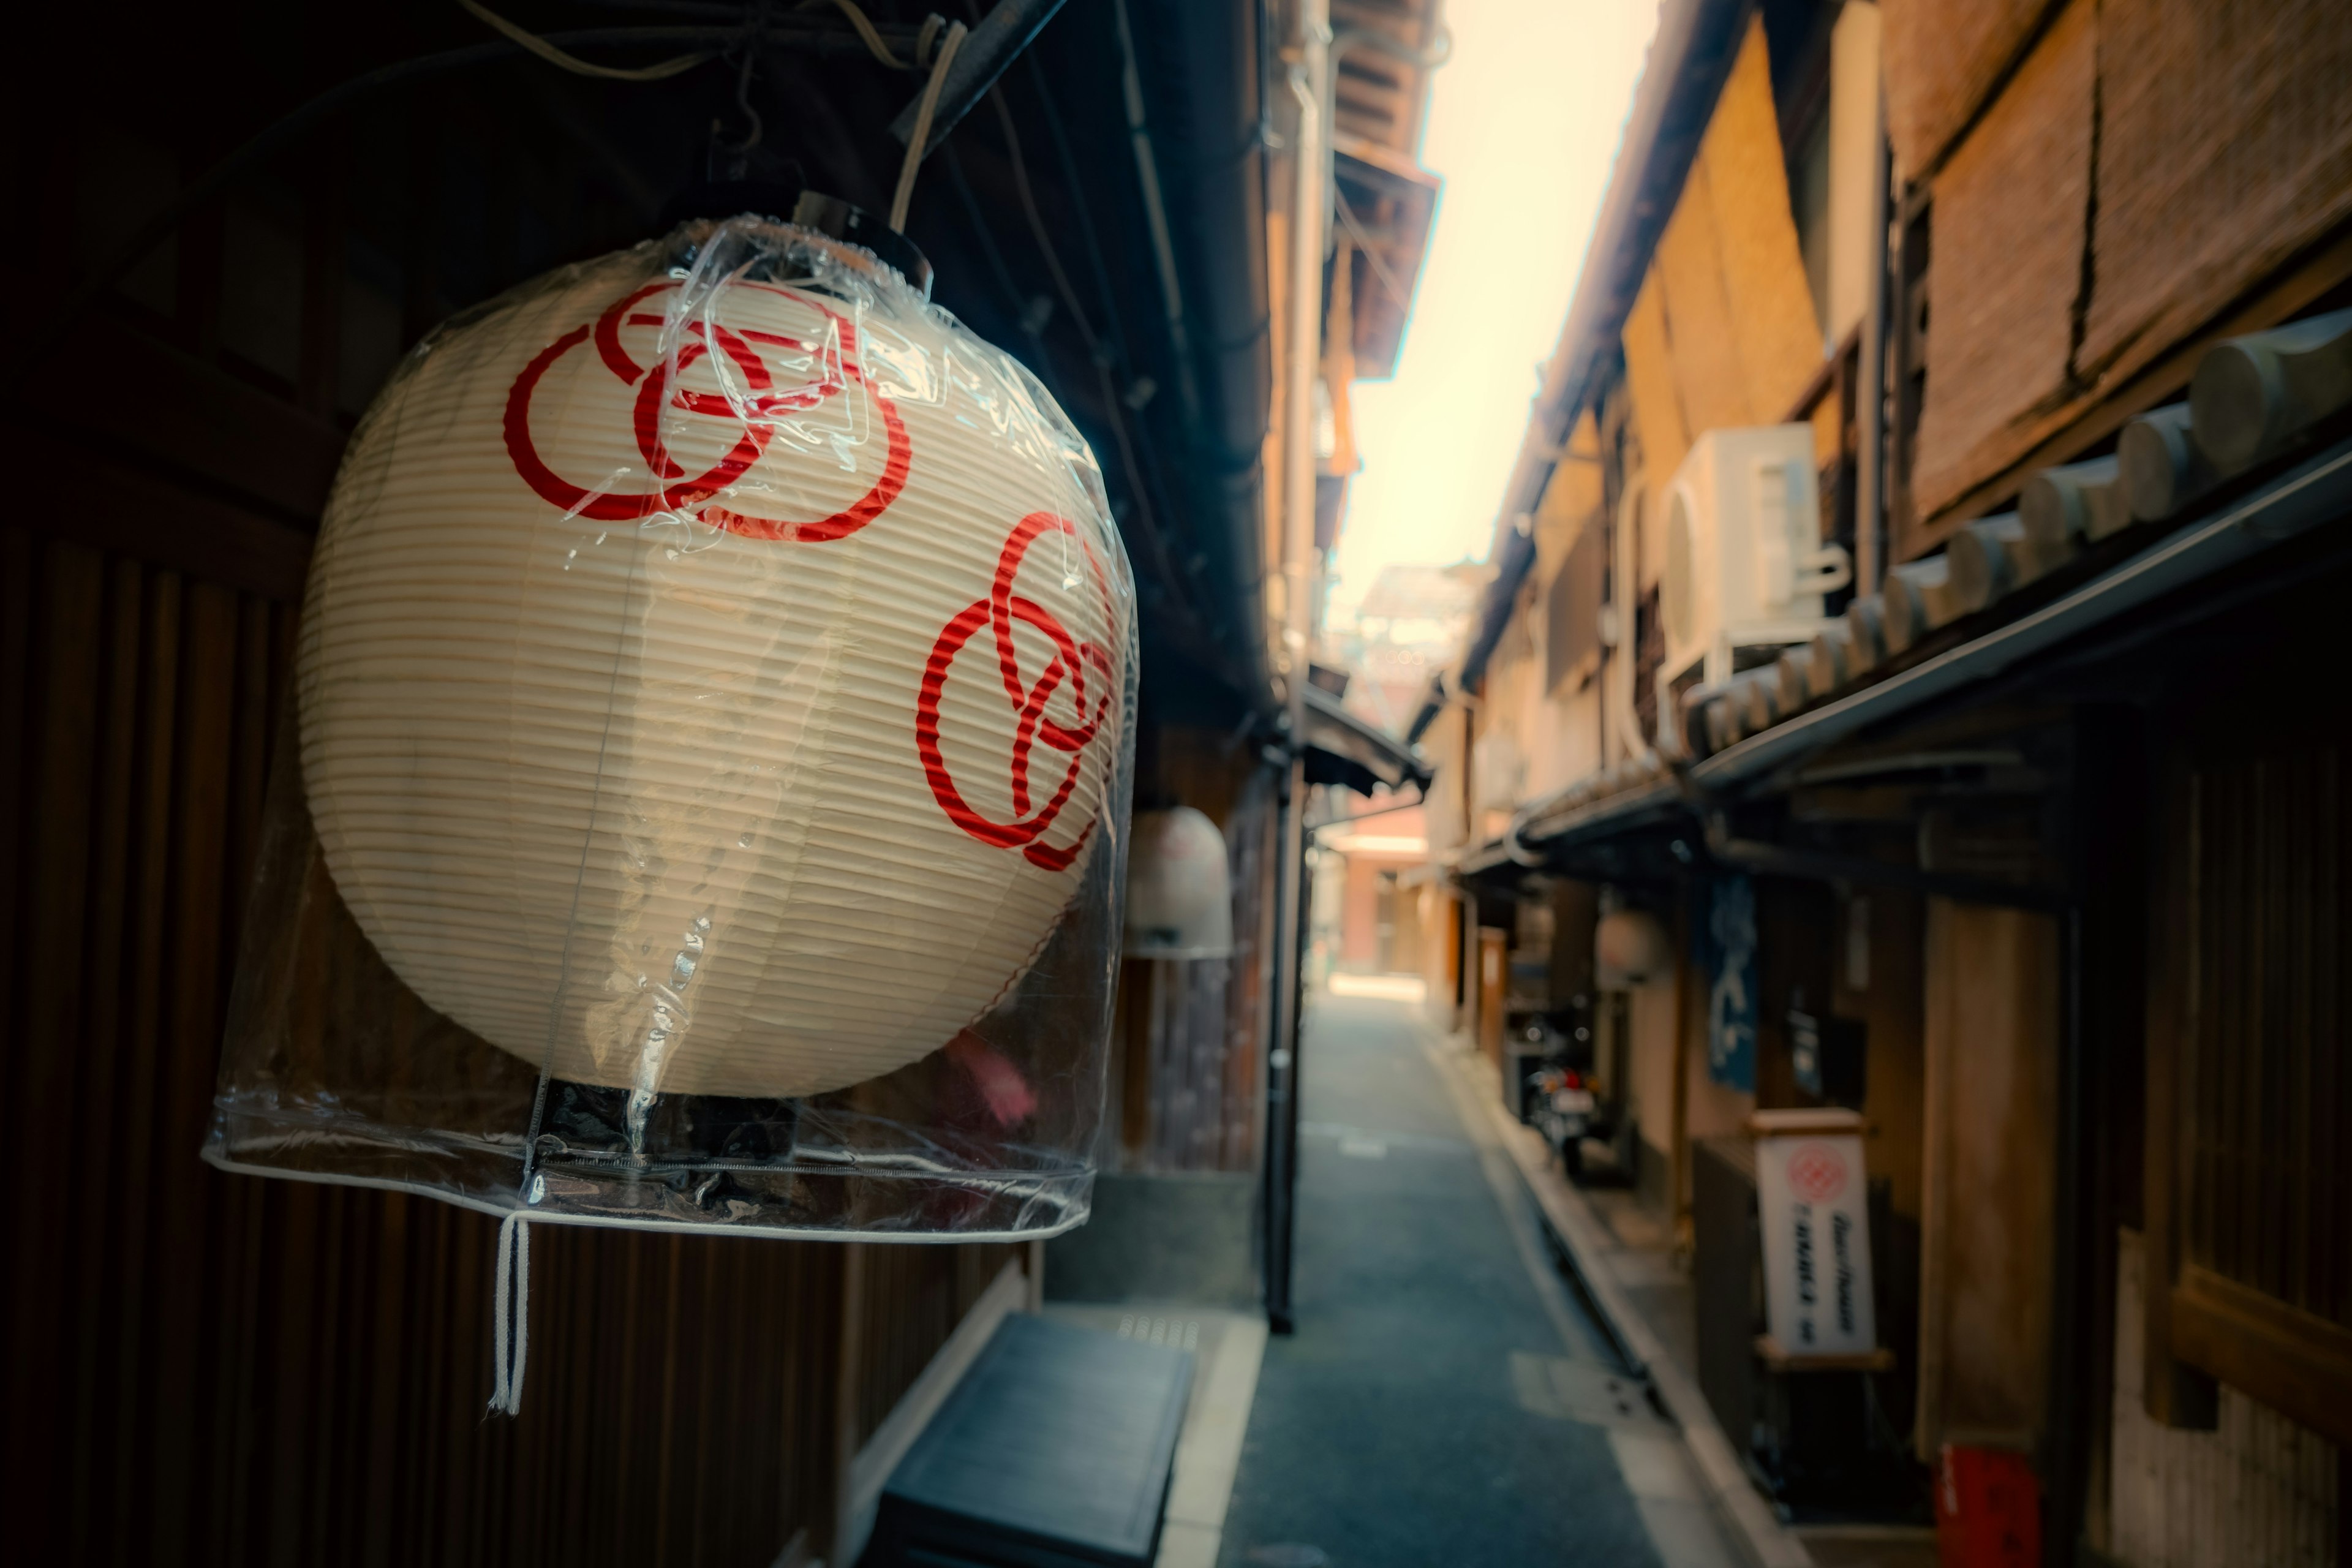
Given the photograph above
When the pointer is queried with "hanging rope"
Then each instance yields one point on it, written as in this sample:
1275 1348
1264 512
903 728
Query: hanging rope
579 67
914 159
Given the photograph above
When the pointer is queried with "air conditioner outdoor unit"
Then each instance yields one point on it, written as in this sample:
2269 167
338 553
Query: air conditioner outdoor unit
1745 567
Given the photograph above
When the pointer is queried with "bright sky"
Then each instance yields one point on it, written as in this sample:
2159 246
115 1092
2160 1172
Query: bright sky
1524 123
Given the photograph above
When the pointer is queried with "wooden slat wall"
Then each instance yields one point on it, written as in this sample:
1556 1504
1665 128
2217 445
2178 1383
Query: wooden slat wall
1188 1077
2247 1182
212 1369
206 1368
915 1295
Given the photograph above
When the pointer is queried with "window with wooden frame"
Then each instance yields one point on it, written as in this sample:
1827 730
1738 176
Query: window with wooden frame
1572 610
1907 351
1798 40
2249 1173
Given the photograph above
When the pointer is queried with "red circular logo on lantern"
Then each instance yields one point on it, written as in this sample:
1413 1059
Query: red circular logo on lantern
1075 682
746 393
1816 1173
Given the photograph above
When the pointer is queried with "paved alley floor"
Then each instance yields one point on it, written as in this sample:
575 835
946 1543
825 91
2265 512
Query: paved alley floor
1445 1399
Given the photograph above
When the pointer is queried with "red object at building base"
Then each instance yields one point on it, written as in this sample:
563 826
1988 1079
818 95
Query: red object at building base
1987 1510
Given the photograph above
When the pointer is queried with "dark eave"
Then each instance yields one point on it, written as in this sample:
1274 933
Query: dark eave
1354 752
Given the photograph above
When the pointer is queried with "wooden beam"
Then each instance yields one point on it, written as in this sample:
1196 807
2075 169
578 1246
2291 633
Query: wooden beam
1778 1357
136 399
1831 374
2298 1364
137 516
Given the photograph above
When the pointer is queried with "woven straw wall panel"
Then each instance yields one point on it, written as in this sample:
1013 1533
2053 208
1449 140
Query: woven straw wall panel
1659 425
1723 332
2226 147
1942 57
1703 326
1779 338
1571 498
2007 268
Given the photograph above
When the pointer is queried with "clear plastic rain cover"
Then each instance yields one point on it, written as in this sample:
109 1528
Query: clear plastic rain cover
704 795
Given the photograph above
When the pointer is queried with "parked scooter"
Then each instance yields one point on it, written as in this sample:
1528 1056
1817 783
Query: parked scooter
1562 1107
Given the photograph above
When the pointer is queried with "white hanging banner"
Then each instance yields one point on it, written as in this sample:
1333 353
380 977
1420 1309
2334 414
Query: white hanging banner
1813 1202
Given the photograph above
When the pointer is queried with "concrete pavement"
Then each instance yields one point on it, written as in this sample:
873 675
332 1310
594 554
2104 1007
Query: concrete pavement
1445 1399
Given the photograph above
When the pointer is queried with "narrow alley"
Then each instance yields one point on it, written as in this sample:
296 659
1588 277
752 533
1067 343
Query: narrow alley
1446 1397
863 784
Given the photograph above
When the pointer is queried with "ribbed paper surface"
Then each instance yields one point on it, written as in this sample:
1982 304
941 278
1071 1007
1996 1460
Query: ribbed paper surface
711 685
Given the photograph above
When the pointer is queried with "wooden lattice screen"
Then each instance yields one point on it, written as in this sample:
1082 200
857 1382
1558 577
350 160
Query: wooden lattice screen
2250 1174
2267 1124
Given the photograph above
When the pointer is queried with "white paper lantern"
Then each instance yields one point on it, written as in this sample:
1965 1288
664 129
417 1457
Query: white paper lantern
1179 899
713 675
1630 949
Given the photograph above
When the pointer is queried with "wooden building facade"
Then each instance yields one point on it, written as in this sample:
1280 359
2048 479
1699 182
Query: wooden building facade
2037 805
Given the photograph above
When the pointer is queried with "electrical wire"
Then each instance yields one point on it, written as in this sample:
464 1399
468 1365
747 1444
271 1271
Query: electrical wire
866 30
913 162
993 255
1113 410
661 72
1123 359
1037 220
743 101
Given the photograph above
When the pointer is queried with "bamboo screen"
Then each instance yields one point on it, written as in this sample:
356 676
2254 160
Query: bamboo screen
1942 57
2225 149
1724 331
2223 146
2007 269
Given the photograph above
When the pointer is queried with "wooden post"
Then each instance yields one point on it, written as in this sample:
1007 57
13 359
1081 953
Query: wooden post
1494 977
1678 1141
1933 1196
848 1386
1987 1243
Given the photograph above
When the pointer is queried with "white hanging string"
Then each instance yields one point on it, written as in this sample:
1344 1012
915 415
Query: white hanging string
914 160
510 1321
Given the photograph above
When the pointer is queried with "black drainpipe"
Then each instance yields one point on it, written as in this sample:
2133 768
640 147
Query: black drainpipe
1209 131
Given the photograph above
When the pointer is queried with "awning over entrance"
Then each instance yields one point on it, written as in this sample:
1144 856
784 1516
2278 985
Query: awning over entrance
1343 749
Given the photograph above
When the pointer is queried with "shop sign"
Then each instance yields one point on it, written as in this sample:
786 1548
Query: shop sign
1811 1198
